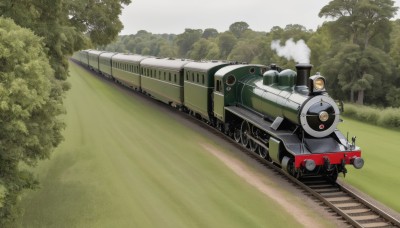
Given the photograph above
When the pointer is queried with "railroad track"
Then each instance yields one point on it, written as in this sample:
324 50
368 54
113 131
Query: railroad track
347 204
352 207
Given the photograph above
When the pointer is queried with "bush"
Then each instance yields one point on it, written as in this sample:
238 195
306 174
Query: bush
389 117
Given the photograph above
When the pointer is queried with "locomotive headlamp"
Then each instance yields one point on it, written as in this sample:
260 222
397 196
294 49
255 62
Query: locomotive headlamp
319 84
316 84
323 116
309 164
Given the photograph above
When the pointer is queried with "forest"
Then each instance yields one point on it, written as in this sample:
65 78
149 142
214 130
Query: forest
356 49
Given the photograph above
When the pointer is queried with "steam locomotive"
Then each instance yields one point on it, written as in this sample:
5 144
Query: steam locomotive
284 116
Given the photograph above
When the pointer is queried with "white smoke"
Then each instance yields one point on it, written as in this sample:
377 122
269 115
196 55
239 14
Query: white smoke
298 51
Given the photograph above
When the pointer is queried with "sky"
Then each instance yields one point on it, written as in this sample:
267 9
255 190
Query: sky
173 16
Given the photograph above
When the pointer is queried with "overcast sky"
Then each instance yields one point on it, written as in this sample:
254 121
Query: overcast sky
173 16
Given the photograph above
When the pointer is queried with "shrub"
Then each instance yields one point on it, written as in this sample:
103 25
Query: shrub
389 117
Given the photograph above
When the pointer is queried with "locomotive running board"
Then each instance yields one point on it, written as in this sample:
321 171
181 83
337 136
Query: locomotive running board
256 120
291 142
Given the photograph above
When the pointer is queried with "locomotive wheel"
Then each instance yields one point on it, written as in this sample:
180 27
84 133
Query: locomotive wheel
253 146
262 152
333 177
245 129
236 135
220 127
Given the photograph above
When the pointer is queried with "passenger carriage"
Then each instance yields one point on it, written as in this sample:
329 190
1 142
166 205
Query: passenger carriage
126 69
163 79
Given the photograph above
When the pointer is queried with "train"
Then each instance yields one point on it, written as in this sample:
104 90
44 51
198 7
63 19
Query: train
284 116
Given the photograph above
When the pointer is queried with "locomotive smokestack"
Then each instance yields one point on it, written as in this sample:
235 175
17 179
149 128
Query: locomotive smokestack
303 73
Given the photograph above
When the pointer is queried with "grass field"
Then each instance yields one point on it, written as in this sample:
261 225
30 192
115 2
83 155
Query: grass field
125 165
381 151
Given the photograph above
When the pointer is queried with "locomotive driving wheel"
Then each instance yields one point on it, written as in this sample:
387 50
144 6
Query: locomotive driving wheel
253 145
236 135
244 131
263 153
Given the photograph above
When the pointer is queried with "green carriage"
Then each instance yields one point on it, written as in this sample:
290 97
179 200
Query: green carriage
126 69
105 63
163 79
198 87
93 59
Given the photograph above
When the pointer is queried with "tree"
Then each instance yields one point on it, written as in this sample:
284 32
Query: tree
238 28
187 39
33 72
209 33
226 42
320 44
65 25
204 49
360 22
29 112
393 97
358 70
244 52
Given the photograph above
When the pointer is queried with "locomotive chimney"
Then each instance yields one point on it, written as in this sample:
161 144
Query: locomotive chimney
303 73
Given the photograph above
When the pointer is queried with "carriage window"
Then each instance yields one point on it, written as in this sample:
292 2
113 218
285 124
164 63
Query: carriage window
175 78
218 88
169 77
197 78
202 79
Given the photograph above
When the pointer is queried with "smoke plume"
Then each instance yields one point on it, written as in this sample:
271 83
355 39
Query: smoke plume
298 51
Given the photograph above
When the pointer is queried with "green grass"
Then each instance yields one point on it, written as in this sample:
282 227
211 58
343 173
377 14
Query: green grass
381 151
125 164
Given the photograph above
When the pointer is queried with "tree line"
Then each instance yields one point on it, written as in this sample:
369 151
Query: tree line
356 50
36 39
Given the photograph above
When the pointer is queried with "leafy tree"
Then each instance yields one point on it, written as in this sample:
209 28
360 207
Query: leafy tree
291 31
320 44
360 22
226 42
33 79
238 28
358 69
204 49
393 97
167 50
29 112
209 33
187 39
243 52
65 25
395 46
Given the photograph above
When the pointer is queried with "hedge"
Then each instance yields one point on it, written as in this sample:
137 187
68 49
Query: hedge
388 117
